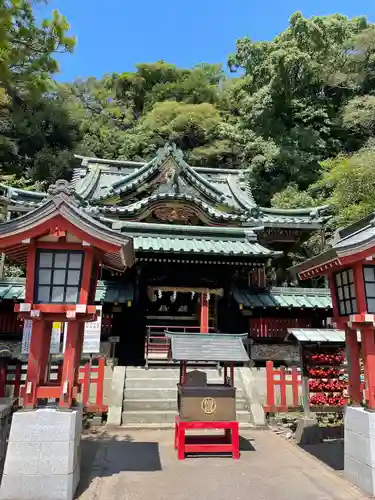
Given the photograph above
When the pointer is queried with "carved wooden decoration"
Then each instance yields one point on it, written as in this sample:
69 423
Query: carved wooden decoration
182 215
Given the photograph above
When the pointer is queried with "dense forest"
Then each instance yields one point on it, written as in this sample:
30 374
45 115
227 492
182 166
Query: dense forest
297 113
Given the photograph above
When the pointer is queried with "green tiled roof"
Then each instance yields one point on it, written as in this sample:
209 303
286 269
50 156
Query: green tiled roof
284 297
203 240
106 291
317 334
198 246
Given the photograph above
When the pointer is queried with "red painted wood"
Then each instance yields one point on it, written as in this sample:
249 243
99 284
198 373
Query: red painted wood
48 391
270 384
354 366
368 347
100 383
295 385
86 383
205 443
61 245
359 286
30 272
282 386
59 309
86 276
69 365
38 359
275 327
204 313
282 382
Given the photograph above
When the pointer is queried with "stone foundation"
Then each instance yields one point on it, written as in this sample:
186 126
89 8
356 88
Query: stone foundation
359 458
43 456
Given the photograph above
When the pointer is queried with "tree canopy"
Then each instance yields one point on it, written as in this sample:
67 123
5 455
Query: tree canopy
297 112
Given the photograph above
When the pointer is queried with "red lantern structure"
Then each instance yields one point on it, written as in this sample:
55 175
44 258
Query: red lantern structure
350 268
62 248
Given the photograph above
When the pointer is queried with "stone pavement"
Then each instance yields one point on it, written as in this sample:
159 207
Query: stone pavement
142 465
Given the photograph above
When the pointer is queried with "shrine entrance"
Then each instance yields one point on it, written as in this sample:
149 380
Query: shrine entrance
177 309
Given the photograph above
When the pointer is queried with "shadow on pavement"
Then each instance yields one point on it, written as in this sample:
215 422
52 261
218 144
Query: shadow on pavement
104 456
329 452
245 444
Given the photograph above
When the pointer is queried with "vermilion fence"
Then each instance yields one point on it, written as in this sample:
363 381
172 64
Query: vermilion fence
275 327
277 382
13 376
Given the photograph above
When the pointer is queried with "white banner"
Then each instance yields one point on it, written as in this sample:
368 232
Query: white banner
91 340
56 338
26 336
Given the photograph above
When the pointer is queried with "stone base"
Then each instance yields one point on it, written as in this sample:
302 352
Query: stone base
308 431
43 456
359 457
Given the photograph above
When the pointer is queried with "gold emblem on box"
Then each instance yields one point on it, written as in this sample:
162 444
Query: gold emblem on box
208 406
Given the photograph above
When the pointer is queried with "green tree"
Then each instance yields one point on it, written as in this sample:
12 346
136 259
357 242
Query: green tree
292 96
292 197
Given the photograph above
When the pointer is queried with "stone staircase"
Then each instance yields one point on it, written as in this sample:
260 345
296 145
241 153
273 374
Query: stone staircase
150 397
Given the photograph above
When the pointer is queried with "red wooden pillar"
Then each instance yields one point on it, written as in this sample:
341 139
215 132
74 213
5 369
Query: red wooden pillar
204 313
354 366
38 360
71 364
368 346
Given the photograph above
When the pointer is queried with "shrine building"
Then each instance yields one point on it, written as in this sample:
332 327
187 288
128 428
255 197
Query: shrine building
206 256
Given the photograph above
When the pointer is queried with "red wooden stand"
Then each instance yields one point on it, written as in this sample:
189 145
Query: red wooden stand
229 443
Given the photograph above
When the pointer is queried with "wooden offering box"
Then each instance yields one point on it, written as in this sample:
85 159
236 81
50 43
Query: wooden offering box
207 403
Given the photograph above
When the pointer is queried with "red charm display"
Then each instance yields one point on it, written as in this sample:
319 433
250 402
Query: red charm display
326 377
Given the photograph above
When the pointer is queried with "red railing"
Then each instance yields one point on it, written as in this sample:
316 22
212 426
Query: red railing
275 327
281 377
86 378
13 376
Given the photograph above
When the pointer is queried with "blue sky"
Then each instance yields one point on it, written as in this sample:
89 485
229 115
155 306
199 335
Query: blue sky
117 34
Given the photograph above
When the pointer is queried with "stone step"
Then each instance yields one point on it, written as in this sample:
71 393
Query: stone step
140 383
159 393
148 416
174 373
164 404
164 416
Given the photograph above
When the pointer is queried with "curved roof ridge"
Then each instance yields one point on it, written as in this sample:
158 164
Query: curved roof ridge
133 207
141 175
91 159
85 186
133 175
311 211
15 191
149 227
247 203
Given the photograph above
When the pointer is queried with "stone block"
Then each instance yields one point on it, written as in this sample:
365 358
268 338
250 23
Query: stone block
46 425
359 449
22 457
116 396
43 457
117 387
40 487
360 474
114 416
